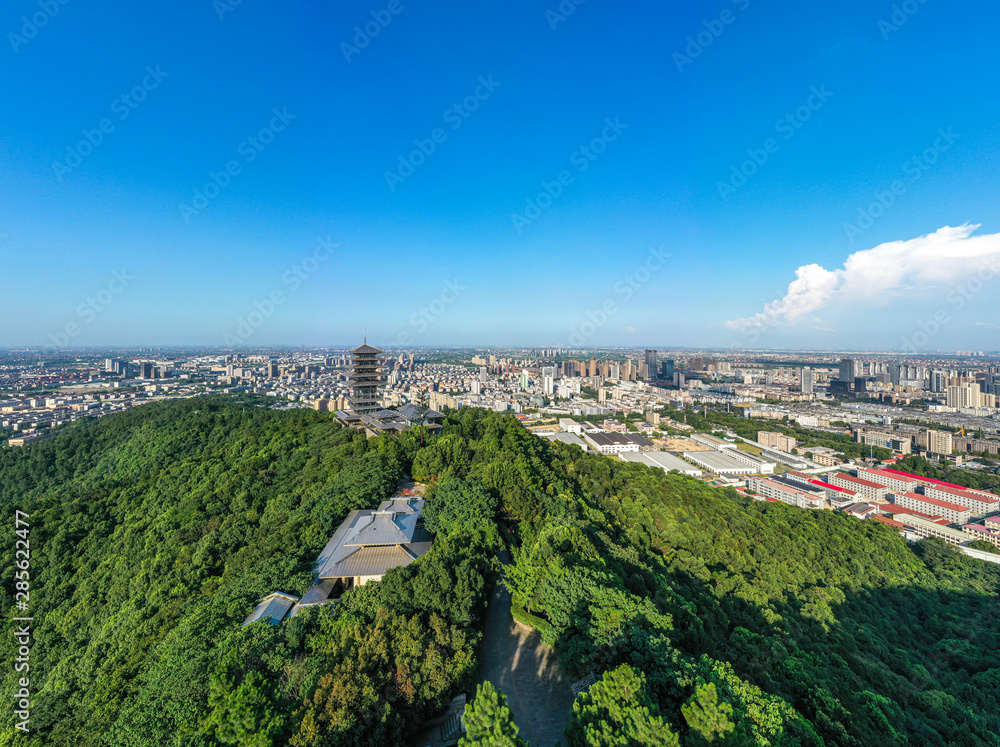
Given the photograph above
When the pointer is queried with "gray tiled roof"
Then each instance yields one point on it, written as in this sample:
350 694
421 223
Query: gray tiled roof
272 608
374 561
372 539
383 528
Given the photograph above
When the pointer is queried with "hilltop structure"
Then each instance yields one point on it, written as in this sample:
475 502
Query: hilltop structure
367 544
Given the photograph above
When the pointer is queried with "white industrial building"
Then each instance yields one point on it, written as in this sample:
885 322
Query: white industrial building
662 459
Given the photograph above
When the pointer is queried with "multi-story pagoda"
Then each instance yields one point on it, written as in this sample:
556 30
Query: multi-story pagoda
364 379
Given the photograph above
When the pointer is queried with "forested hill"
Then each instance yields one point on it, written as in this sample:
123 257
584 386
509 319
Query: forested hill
749 622
708 618
154 531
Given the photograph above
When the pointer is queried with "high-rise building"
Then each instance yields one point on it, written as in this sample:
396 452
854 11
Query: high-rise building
806 380
938 381
364 379
483 375
146 370
667 370
272 370
524 380
548 384
963 396
939 442
650 358
850 369
895 374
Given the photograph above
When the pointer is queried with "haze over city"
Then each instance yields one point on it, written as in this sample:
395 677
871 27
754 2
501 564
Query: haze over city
737 174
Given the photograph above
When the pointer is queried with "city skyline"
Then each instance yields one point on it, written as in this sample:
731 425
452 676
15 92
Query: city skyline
733 176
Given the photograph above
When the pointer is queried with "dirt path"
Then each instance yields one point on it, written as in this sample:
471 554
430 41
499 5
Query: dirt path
516 660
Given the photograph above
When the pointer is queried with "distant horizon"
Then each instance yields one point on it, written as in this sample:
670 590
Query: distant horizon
986 354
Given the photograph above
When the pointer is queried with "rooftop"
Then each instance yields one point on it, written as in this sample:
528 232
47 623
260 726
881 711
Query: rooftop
967 493
935 502
365 349
371 541
858 480
272 608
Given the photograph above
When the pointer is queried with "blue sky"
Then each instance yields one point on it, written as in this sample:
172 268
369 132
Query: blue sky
453 252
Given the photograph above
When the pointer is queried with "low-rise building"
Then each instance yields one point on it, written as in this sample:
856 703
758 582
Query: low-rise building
720 462
790 492
977 502
776 440
712 441
824 456
898 526
866 488
897 483
662 459
925 528
761 465
892 509
610 443
861 510
981 532
952 512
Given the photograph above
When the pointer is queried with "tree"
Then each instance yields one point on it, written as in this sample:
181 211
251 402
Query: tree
709 717
489 721
456 504
420 402
617 711
244 715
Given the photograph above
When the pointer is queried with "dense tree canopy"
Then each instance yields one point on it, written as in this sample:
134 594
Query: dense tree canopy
153 534
811 626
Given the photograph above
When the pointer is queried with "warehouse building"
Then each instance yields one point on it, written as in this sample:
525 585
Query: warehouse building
663 460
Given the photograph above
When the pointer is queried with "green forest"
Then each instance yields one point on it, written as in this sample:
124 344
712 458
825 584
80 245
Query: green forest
707 618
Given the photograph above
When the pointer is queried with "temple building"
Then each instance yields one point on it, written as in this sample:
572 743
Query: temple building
364 381
365 409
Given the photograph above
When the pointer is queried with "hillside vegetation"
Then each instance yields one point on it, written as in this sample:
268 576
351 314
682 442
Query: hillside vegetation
708 618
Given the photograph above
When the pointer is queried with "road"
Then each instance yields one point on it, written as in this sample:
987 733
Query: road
516 661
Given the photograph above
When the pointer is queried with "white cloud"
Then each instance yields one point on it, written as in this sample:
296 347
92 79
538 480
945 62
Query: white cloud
879 275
